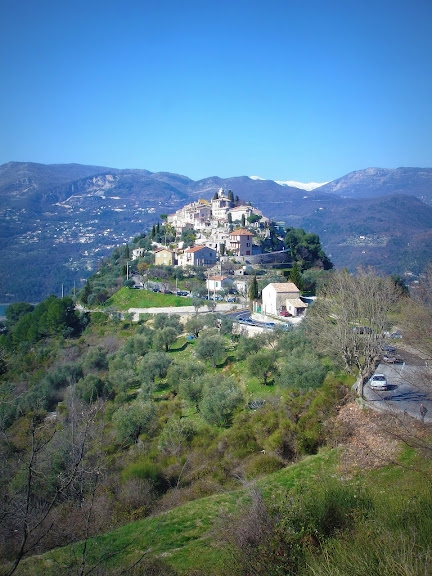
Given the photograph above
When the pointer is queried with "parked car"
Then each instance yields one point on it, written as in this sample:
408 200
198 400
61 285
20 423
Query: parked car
270 325
393 359
378 382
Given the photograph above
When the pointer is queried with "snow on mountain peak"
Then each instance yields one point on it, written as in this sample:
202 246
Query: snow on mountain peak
302 185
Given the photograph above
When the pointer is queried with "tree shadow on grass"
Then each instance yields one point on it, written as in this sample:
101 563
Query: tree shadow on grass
228 360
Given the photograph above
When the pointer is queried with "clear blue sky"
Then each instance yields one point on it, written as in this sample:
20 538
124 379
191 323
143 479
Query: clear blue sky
303 90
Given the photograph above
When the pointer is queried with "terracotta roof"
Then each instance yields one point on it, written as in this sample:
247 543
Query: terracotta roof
241 232
160 250
283 287
218 278
197 248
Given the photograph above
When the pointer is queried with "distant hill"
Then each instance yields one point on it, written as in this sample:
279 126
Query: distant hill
375 182
57 221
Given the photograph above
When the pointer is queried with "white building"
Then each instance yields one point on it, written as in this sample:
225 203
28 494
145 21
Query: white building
282 299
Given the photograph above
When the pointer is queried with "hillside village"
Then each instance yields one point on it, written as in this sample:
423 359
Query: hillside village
227 230
224 226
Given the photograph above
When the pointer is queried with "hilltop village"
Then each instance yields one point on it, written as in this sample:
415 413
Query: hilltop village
218 230
225 230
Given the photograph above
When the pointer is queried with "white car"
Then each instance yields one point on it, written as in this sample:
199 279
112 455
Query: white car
378 382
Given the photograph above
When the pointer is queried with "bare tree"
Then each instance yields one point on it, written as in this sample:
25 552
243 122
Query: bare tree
349 319
36 486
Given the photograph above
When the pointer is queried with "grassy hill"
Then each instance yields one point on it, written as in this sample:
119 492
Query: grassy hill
331 512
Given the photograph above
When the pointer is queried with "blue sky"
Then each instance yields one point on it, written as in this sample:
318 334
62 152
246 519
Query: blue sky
304 90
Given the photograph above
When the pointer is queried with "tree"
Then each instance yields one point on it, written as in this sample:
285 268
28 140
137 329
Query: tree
210 347
253 289
296 276
305 248
197 303
15 311
194 325
221 397
181 374
262 364
54 466
191 391
302 372
165 337
154 365
417 317
349 319
135 419
243 220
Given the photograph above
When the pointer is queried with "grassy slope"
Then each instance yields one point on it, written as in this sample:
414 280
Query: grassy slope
183 536
129 298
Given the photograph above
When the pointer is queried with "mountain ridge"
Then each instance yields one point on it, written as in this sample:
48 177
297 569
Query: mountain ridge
59 220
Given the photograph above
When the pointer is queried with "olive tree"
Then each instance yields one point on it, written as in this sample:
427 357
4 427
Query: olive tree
221 396
210 347
349 319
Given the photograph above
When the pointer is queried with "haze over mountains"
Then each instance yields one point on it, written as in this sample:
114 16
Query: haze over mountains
57 221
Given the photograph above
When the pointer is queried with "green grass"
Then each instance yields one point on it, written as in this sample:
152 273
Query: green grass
129 298
183 537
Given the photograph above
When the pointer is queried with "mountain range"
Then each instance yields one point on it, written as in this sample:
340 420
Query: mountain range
57 221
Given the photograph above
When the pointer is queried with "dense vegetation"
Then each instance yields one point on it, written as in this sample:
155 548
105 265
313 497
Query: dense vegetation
108 423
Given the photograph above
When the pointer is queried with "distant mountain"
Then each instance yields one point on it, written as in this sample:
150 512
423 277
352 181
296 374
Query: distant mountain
57 221
374 182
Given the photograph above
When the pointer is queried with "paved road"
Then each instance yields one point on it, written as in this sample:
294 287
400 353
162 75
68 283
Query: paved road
407 390
183 310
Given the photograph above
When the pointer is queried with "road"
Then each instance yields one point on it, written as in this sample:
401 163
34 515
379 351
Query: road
183 310
407 389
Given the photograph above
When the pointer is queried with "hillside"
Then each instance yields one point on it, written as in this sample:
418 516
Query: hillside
57 221
182 446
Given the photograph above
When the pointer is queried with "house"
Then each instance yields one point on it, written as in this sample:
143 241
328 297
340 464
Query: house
197 256
164 257
240 242
138 253
218 283
282 299
220 205
238 212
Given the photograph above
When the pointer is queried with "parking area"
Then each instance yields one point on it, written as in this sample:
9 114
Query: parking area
407 391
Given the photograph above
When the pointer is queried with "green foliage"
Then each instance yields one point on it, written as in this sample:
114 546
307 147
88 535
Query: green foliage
296 277
181 374
210 347
221 397
154 365
96 359
167 321
92 387
50 317
176 436
305 249
144 469
134 419
164 337
262 364
301 372
15 311
247 346
253 289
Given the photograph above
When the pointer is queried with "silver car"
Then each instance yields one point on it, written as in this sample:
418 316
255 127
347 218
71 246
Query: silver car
378 382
